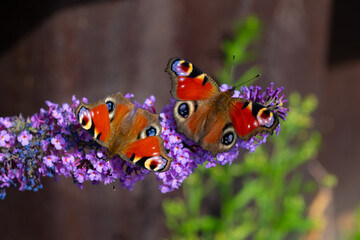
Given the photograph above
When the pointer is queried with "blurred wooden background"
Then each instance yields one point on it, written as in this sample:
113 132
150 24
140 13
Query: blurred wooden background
50 50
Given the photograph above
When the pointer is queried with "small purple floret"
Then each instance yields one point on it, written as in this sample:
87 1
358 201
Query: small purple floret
58 141
24 138
4 138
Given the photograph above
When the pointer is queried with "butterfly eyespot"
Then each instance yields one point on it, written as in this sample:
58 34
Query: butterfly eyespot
84 118
183 110
155 163
185 64
111 108
228 138
182 67
266 118
110 105
150 131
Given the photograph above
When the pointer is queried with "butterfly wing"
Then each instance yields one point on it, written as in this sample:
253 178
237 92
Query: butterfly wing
143 146
188 82
249 118
96 118
115 124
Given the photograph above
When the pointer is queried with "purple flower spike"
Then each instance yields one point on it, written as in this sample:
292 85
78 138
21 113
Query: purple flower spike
52 142
187 159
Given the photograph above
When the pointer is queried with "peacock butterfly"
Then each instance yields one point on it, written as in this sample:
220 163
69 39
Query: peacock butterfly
212 118
129 132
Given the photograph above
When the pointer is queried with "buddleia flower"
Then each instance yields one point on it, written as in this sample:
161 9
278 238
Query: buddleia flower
52 143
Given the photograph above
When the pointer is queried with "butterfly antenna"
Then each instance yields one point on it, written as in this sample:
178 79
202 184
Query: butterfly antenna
232 69
251 79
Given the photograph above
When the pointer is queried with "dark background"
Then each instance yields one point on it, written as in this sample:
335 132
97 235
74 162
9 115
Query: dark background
50 50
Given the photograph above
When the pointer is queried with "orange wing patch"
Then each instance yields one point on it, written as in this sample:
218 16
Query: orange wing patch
215 133
189 82
194 89
243 120
147 147
101 121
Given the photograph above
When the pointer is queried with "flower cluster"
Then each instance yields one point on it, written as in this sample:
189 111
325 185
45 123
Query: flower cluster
52 143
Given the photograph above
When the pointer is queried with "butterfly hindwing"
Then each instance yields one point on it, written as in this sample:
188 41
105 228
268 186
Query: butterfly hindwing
144 146
147 153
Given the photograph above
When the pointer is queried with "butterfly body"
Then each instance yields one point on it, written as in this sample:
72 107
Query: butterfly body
210 117
132 133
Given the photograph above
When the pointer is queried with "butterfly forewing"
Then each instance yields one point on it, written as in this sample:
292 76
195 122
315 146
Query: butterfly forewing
189 82
250 118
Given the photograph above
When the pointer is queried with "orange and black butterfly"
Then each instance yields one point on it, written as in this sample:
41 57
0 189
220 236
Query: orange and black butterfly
210 117
129 132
